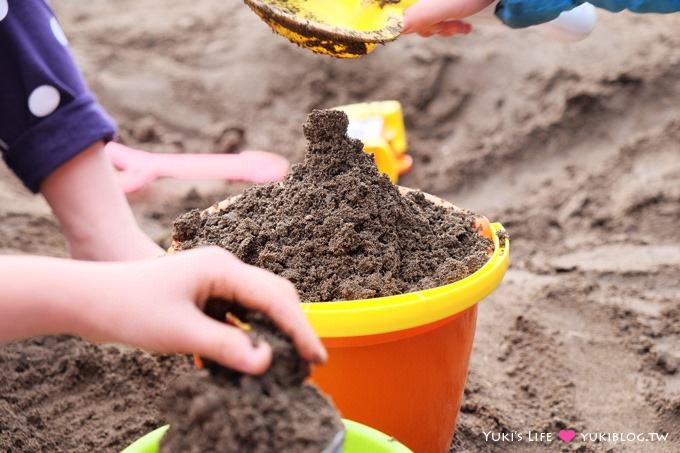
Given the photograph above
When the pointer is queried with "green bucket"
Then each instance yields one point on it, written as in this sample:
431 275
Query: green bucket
358 439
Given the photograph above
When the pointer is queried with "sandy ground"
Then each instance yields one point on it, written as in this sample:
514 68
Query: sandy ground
575 148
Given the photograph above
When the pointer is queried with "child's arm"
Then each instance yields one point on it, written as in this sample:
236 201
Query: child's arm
93 212
51 136
445 17
152 304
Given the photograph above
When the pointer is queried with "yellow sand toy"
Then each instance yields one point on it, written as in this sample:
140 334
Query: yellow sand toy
353 28
380 126
340 28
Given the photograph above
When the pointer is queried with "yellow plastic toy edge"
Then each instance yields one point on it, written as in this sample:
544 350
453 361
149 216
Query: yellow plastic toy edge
385 160
405 311
392 114
385 26
333 48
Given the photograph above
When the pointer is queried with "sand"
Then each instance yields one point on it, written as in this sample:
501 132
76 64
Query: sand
220 410
338 229
575 148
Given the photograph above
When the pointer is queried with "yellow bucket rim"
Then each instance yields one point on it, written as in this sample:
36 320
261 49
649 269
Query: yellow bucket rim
381 315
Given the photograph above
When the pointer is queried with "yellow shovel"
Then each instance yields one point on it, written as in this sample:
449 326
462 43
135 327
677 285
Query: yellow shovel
340 28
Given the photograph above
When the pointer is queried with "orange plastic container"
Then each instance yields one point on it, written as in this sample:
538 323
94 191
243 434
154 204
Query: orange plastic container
407 384
399 363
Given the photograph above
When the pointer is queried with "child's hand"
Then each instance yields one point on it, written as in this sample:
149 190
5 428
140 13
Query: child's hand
156 305
441 17
153 304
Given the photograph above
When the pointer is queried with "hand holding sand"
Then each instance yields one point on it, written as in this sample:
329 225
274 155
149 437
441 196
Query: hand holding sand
154 304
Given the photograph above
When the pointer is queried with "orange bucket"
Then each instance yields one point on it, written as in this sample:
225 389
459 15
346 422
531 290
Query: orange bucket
399 363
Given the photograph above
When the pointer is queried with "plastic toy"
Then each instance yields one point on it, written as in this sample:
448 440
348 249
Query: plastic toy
353 28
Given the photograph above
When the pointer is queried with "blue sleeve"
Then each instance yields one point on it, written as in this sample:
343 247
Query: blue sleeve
524 13
47 114
639 6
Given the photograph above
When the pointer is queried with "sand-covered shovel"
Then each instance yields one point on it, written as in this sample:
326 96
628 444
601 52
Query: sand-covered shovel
137 168
352 28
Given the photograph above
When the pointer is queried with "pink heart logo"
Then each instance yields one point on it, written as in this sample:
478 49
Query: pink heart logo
567 435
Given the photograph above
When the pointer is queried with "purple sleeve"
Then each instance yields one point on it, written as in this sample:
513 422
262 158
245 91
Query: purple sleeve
47 113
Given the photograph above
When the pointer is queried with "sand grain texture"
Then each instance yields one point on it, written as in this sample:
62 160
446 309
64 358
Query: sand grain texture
223 411
338 229
575 148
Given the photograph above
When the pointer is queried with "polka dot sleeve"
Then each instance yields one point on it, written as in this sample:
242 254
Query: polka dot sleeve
47 114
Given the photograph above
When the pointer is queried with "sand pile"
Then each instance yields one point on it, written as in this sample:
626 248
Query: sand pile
340 230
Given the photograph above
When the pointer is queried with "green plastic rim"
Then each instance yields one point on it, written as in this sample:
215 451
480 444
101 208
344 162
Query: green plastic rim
358 439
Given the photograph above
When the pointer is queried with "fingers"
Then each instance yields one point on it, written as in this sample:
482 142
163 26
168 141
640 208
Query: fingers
226 345
455 27
425 13
448 28
227 277
483 227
